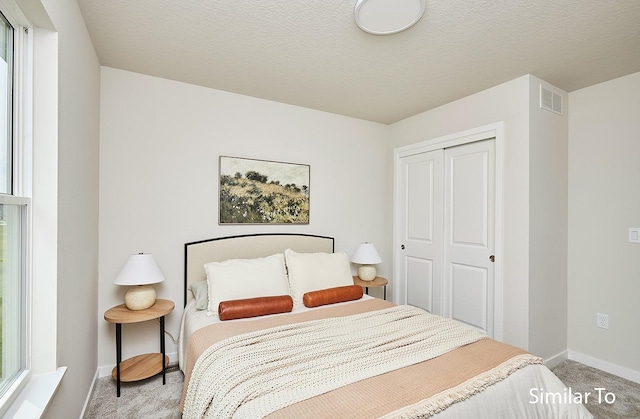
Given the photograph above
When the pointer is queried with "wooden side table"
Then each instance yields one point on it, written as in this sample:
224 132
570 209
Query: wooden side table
141 366
377 282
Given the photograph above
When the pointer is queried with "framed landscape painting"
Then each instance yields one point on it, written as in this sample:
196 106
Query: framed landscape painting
263 192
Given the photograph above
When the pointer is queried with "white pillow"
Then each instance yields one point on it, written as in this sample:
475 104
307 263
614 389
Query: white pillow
316 271
236 279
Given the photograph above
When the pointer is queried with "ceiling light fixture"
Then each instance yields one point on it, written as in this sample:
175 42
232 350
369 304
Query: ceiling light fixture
386 17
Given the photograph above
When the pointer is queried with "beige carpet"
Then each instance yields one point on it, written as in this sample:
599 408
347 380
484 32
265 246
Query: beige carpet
150 399
138 400
584 379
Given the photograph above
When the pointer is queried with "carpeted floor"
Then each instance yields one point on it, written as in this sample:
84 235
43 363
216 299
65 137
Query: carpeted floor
138 400
581 379
150 399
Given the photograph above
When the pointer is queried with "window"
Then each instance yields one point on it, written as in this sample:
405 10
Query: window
13 211
12 221
6 104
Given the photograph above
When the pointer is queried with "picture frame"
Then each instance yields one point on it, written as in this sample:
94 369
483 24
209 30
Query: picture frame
253 191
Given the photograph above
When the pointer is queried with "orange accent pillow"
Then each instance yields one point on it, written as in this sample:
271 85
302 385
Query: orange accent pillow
253 307
332 295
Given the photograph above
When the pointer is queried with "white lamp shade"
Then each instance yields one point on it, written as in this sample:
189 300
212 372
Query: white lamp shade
366 254
140 269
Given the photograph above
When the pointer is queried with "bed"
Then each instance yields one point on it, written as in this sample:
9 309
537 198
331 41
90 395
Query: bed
255 344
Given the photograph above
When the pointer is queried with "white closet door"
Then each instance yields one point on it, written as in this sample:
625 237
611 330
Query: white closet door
469 231
420 192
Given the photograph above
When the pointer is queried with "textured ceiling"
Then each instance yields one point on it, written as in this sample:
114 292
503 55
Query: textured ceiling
311 53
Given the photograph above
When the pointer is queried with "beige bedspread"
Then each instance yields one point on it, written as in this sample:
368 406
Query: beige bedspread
467 369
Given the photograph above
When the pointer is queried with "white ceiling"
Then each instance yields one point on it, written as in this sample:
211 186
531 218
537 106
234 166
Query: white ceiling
312 54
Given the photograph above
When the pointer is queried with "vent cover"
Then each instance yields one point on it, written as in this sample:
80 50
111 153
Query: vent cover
550 100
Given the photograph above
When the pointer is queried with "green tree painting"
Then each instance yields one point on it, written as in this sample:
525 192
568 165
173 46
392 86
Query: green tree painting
259 192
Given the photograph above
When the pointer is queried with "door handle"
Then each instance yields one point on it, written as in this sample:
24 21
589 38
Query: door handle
492 258
402 246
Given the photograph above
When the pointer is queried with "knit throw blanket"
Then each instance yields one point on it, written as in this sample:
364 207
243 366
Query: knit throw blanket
254 374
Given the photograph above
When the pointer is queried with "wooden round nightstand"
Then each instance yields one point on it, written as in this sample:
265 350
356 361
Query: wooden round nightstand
141 366
376 282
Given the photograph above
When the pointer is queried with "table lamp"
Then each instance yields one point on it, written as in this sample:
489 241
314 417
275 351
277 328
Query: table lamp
139 272
366 255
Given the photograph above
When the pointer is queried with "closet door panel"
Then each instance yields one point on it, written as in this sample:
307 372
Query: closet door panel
420 191
470 291
468 287
420 285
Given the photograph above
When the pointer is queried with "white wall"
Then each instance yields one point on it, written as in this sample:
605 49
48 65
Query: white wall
548 137
604 201
78 140
159 148
508 102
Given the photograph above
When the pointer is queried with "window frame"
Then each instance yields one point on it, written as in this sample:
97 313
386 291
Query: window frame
23 205
36 178
21 181
8 148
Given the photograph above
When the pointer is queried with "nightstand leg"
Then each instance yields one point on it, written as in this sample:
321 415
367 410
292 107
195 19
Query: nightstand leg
366 290
385 292
118 356
164 380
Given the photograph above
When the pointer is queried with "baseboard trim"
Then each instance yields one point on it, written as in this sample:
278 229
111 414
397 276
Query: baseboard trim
89 395
556 360
605 366
105 371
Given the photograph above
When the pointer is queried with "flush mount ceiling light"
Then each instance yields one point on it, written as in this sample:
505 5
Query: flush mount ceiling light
385 17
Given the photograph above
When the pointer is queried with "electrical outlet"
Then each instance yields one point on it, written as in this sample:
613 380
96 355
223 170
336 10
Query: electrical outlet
602 320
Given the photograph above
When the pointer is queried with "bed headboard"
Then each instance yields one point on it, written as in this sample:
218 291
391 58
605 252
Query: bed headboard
196 254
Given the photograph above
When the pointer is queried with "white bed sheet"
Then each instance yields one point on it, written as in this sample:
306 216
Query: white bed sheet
511 398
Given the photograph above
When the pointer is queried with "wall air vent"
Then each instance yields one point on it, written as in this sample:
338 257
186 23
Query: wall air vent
550 100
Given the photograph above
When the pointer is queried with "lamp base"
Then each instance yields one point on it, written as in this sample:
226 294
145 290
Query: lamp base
140 297
367 272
